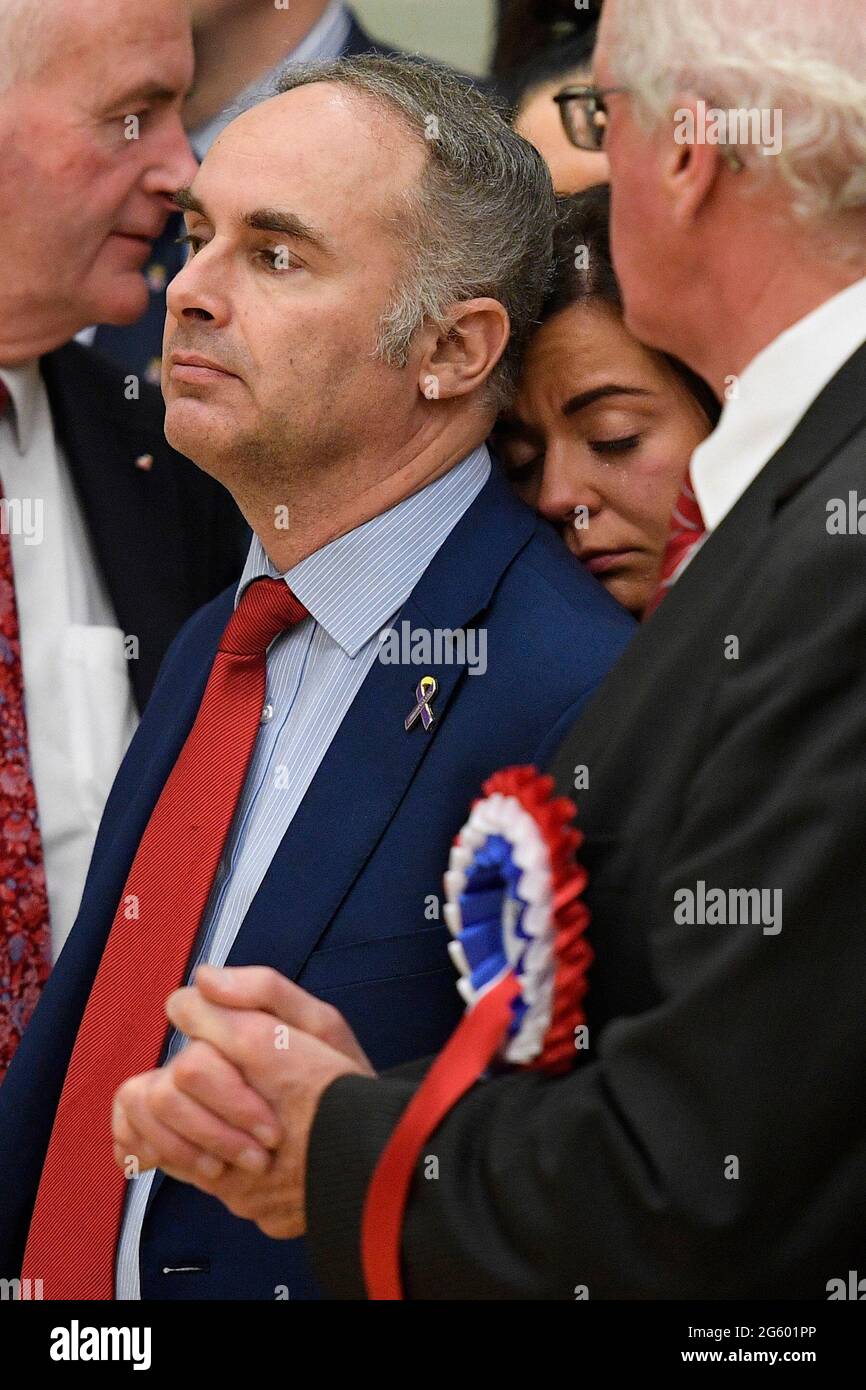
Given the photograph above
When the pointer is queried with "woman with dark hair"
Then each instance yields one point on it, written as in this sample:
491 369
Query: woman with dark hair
541 112
602 428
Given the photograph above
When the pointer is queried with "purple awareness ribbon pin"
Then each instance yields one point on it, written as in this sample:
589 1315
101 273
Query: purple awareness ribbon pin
424 692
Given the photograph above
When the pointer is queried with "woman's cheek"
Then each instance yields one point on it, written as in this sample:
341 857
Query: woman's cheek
657 484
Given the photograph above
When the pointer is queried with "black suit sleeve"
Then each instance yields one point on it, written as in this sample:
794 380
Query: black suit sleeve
714 1146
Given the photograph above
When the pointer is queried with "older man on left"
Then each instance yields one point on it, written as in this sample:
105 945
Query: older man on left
110 539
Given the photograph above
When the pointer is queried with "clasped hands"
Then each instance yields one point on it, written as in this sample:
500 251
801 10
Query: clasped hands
232 1112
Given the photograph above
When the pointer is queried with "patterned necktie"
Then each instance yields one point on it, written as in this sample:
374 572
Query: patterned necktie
25 936
687 532
76 1219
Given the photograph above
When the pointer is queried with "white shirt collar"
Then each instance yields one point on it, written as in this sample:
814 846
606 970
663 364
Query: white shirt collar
25 386
772 396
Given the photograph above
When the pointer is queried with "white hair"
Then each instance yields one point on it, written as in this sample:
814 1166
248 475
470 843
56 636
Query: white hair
24 29
805 58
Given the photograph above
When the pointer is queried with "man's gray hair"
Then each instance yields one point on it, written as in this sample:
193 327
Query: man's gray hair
480 220
805 58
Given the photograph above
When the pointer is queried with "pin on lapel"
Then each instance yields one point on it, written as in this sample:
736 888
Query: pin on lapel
144 461
424 692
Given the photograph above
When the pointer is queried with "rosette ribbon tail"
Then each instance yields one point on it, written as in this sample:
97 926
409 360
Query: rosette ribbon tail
458 1066
514 906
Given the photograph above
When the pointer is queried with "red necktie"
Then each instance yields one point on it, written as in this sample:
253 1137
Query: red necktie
687 530
76 1219
25 936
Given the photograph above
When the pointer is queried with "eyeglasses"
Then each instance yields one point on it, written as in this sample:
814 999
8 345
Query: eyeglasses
583 113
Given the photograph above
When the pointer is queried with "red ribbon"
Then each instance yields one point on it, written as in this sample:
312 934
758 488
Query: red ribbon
464 1057
482 1030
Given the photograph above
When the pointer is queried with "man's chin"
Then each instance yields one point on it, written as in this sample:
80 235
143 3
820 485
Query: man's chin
192 427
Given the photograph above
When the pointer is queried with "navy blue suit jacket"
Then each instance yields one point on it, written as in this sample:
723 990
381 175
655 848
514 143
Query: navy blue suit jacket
343 906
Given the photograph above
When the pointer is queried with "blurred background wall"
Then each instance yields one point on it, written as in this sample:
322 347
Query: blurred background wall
460 32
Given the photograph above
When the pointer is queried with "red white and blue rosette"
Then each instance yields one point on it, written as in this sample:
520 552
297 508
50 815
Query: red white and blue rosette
513 903
514 906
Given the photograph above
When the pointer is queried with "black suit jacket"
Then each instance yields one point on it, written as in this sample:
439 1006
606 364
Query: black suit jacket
167 539
712 1144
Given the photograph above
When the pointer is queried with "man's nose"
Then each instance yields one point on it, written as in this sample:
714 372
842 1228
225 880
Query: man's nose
194 292
174 164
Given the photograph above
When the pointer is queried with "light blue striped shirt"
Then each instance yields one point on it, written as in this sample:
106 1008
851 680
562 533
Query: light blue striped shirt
353 587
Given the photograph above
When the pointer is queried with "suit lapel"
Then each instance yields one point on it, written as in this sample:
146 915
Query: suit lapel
662 652
731 549
373 758
125 508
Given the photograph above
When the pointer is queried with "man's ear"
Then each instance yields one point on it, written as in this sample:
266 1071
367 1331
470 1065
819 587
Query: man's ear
691 163
461 357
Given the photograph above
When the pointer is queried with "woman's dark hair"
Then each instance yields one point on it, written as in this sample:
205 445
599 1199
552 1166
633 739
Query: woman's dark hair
583 225
527 26
555 63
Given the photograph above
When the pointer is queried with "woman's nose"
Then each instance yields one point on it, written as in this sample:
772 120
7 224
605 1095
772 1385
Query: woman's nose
564 488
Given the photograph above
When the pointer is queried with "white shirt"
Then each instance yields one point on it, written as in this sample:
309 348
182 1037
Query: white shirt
78 696
773 394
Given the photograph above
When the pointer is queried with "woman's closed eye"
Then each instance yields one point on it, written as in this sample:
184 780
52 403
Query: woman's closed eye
623 445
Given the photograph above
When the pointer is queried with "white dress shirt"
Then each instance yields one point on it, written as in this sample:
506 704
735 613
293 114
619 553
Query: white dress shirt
78 696
773 394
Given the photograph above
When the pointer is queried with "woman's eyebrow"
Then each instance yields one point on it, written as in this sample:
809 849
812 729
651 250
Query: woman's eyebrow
598 393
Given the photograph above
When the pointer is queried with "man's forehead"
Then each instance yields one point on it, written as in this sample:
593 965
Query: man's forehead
322 116
127 22
310 153
154 43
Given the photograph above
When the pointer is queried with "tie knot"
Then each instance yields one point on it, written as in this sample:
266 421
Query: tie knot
4 399
266 609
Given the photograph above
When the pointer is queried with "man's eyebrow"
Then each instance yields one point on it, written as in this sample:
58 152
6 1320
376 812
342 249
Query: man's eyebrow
586 398
288 224
148 91
186 199
264 220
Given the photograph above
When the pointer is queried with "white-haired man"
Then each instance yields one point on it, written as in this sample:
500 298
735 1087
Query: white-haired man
115 539
711 1142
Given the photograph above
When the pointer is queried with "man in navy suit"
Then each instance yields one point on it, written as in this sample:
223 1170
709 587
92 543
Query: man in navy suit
349 322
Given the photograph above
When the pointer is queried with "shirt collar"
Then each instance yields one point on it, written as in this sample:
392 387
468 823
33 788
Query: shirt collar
355 583
772 396
25 386
326 39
